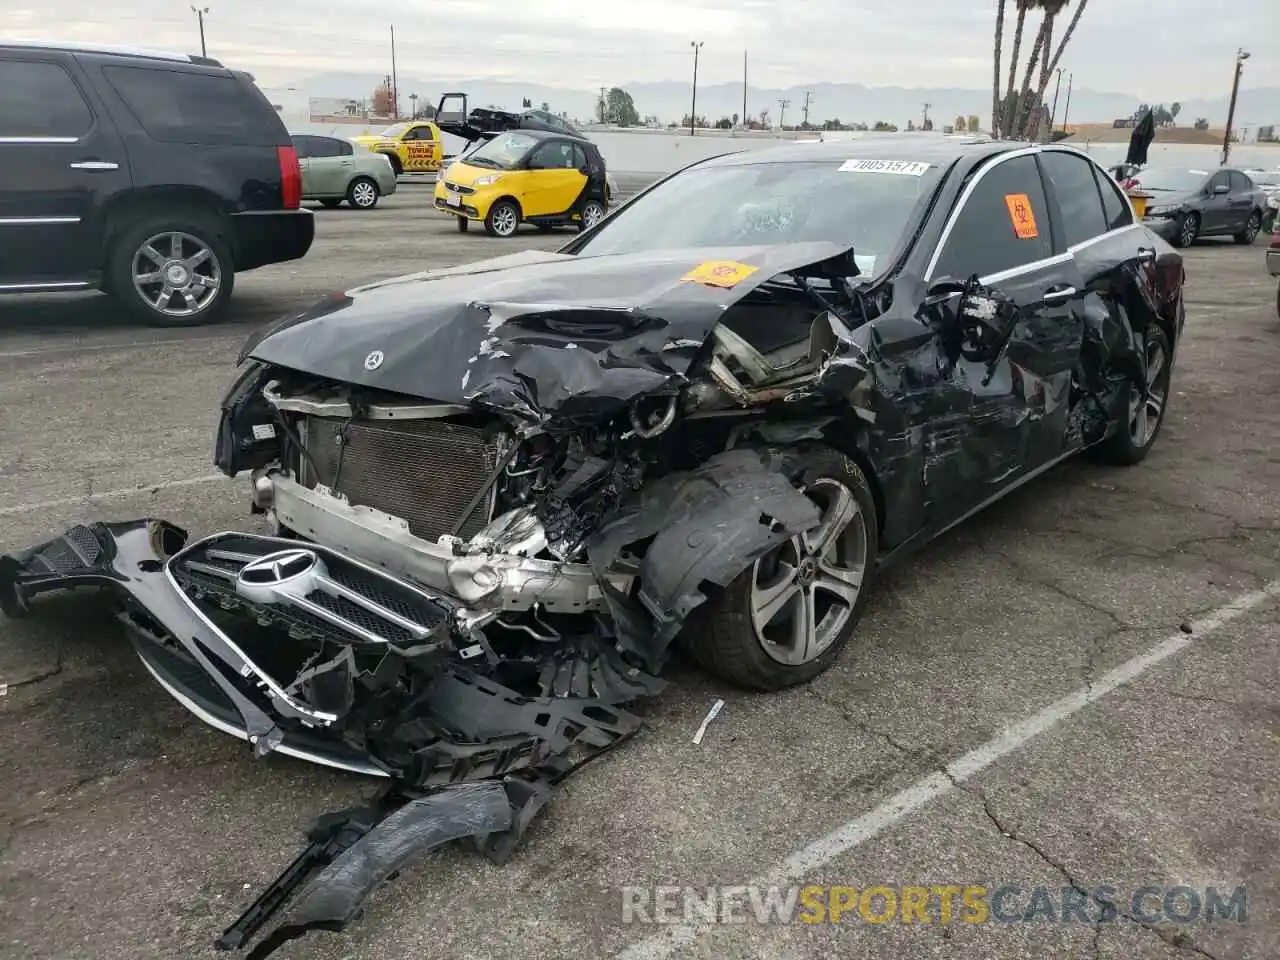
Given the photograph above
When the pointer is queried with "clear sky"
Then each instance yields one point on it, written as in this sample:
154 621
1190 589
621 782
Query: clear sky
1186 51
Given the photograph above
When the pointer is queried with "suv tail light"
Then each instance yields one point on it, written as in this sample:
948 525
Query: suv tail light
290 177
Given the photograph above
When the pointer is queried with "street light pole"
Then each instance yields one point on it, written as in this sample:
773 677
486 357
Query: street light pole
693 107
200 12
1241 56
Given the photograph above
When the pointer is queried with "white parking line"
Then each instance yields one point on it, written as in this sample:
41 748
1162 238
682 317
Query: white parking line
861 829
110 494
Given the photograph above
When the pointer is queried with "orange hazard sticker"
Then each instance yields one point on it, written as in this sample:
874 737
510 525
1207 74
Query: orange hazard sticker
1022 216
720 273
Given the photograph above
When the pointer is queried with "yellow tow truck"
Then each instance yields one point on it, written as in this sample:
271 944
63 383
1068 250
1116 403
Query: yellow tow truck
413 146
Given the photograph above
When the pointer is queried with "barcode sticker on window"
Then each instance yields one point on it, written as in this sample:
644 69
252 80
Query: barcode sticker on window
905 168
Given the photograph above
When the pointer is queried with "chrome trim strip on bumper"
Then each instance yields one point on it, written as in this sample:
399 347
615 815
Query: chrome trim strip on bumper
483 581
318 407
369 770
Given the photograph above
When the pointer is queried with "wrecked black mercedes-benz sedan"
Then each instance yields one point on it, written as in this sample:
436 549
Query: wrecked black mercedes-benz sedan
501 492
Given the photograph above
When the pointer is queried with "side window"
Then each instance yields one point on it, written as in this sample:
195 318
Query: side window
200 108
552 156
323 147
1240 183
300 143
1077 193
345 148
39 99
1114 203
579 157
1004 223
1221 178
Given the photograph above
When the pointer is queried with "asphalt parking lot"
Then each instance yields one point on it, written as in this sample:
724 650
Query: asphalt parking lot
948 750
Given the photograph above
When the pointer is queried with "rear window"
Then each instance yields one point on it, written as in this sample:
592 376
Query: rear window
181 107
863 204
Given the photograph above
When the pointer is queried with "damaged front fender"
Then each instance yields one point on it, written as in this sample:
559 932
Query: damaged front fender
707 525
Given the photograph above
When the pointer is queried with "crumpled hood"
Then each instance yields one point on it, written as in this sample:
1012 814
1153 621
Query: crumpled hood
544 335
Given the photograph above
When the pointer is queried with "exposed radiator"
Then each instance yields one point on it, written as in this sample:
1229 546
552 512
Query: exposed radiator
423 471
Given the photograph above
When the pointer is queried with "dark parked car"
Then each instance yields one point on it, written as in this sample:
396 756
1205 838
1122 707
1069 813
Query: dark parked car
153 177
502 491
1186 203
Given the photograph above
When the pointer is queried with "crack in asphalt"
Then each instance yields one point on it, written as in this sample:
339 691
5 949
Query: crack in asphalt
43 675
1173 938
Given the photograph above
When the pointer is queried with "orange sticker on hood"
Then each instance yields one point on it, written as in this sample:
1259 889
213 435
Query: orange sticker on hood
719 273
1022 216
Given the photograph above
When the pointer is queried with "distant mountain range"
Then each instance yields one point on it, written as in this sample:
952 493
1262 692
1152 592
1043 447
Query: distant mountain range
849 102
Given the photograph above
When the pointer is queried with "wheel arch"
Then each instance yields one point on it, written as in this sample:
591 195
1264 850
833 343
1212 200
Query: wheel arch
125 209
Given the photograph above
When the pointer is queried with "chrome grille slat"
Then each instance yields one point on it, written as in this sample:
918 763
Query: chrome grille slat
422 471
333 588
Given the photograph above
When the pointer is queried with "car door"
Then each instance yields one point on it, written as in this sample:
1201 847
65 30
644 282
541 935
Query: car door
330 170
1242 201
302 144
554 182
61 161
420 149
1009 410
1216 216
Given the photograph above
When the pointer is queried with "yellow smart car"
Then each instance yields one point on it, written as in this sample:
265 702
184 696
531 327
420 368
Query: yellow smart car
541 177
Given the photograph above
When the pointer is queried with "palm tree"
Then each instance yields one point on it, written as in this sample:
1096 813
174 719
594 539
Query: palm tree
1051 10
1051 64
995 78
1006 123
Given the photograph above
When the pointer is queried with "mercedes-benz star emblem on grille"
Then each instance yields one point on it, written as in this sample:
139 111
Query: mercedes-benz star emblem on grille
374 360
276 568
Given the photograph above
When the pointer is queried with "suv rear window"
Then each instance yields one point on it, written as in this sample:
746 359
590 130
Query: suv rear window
182 107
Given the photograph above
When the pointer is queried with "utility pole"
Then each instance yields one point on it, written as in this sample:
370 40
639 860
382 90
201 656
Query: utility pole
395 88
1053 111
807 95
745 122
693 107
200 12
604 106
924 116
782 114
1241 56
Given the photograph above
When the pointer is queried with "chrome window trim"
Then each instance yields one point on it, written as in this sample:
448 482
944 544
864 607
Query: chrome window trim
46 140
35 221
1034 265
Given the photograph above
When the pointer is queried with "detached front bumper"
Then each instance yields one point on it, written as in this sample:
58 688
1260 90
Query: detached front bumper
174 600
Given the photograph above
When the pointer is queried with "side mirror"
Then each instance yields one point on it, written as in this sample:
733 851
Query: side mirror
1220 189
585 171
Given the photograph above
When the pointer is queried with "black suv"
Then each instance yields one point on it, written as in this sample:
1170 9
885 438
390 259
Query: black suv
154 177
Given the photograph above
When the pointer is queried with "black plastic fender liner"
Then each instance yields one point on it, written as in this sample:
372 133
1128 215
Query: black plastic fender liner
333 897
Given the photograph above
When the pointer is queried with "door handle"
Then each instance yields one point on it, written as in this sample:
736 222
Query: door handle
95 165
1059 295
1146 254
345 163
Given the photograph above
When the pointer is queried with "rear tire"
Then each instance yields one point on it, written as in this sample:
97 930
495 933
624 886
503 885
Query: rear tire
503 219
593 212
1250 231
202 275
362 193
732 635
1134 438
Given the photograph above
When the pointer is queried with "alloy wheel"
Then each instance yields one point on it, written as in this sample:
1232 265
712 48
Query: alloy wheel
804 592
177 274
1252 227
364 194
591 215
1146 408
1188 230
504 221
